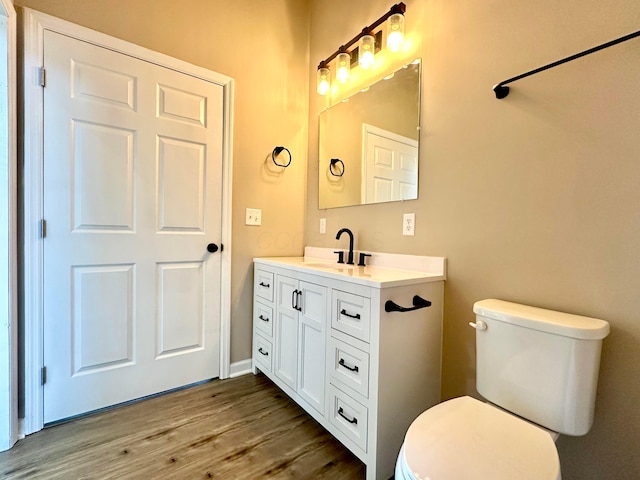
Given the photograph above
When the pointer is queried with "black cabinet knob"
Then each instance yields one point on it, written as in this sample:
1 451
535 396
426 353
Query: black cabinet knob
212 248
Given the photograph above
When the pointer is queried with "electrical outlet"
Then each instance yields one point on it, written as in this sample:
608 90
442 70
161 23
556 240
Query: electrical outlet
253 216
409 224
323 225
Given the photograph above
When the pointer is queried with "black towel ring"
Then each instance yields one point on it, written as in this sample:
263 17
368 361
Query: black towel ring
333 163
277 151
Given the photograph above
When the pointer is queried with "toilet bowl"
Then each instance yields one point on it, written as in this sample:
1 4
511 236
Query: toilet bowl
466 439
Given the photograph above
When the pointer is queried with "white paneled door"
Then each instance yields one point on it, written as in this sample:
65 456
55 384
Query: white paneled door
132 200
390 166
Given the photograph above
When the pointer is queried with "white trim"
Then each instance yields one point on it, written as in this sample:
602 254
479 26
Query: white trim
9 364
243 367
32 213
225 265
34 25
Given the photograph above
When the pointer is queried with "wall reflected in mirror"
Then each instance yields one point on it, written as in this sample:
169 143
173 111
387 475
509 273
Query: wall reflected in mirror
368 143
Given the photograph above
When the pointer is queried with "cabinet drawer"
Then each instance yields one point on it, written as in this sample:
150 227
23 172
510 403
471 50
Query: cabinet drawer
263 319
262 353
350 366
349 417
351 314
263 284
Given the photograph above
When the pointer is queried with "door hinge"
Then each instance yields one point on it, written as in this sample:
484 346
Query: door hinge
42 77
43 228
43 375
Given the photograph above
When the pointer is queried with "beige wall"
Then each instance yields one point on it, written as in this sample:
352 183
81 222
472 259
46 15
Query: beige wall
534 198
263 46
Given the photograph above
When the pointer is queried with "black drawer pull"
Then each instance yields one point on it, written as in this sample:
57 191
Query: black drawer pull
265 285
353 420
353 369
263 352
418 302
344 312
264 319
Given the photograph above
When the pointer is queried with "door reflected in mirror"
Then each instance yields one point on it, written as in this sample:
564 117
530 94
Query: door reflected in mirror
369 143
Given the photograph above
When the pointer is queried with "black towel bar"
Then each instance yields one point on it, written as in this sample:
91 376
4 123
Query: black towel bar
418 302
501 90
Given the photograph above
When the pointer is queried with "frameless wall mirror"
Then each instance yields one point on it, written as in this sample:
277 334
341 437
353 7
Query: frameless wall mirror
369 143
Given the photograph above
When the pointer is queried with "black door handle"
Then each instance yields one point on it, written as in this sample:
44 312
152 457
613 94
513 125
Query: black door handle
212 248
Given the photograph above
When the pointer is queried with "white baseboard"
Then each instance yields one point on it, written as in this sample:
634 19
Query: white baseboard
243 367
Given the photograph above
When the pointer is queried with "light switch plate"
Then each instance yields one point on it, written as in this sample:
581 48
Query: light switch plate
253 216
409 224
323 225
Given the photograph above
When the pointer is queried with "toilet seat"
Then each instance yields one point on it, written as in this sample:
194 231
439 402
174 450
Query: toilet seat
466 439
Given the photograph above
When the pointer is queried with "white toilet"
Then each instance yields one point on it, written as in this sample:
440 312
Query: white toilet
539 371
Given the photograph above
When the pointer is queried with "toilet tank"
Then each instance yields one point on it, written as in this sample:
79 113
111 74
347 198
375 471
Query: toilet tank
539 364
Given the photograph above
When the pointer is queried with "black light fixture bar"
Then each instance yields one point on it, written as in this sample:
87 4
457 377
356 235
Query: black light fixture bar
397 8
501 90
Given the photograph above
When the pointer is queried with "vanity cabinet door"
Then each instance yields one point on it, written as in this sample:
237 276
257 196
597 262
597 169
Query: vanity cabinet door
312 341
286 335
300 338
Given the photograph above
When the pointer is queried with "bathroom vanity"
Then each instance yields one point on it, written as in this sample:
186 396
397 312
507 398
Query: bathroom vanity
359 348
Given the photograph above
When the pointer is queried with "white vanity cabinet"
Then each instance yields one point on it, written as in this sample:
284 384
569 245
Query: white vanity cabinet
362 372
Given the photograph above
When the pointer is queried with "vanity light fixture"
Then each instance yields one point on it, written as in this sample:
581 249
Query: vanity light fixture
367 42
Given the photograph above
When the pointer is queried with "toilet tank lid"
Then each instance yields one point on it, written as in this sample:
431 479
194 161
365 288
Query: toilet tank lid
559 323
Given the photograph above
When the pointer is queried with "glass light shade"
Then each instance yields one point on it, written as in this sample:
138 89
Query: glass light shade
366 50
324 80
343 67
395 32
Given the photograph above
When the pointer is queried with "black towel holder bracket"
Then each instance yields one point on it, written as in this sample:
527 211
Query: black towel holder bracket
277 151
332 165
418 303
501 90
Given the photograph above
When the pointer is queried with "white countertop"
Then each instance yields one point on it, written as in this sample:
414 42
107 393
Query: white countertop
382 270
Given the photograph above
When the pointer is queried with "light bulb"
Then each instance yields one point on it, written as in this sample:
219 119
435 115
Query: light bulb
366 50
324 80
395 32
343 64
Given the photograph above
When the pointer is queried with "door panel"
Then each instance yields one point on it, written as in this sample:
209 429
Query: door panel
102 159
102 317
180 317
181 185
132 196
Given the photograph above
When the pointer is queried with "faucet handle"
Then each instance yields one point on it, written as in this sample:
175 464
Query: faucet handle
362 258
340 256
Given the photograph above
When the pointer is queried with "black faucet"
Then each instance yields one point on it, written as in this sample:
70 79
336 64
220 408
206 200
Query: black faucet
350 233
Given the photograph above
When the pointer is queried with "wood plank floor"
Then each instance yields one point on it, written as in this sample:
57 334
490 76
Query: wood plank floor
243 428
